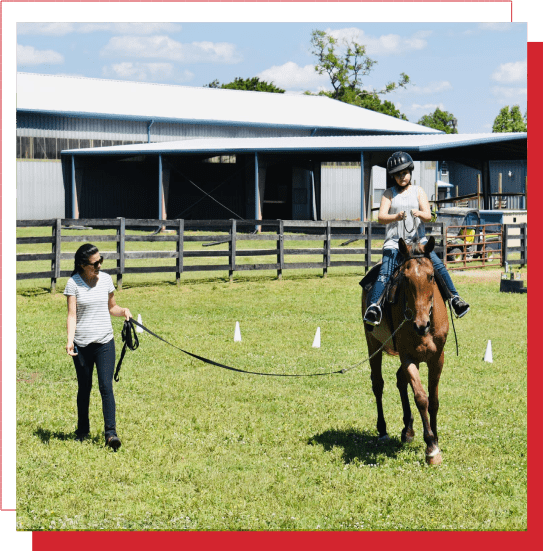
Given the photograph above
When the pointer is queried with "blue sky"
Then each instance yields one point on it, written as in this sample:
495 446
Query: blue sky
468 69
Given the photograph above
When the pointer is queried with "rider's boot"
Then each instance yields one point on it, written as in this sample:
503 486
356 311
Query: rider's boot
460 307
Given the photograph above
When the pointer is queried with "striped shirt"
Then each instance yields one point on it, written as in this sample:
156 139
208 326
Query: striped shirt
409 228
93 318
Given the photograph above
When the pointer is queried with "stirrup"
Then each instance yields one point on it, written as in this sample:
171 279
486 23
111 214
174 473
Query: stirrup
373 308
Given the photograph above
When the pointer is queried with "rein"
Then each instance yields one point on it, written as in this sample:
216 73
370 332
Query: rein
406 309
130 340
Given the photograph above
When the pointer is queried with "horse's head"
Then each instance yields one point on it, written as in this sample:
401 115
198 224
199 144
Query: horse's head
418 272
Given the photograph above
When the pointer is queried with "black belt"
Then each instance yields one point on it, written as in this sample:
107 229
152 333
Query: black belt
131 341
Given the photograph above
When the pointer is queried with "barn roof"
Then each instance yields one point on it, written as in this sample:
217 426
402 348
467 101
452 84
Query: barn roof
493 146
113 99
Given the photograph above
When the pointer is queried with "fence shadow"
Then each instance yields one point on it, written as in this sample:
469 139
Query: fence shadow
357 445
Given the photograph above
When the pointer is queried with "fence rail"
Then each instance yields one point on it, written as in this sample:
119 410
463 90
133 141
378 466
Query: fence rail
284 255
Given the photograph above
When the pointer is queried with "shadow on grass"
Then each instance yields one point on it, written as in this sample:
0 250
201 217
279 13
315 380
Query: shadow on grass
363 446
34 291
45 435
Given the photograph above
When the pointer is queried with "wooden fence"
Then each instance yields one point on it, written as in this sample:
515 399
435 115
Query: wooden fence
359 234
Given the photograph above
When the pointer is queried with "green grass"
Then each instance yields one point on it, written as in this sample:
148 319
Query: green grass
209 449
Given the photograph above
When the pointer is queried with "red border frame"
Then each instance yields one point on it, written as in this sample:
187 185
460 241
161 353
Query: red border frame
532 539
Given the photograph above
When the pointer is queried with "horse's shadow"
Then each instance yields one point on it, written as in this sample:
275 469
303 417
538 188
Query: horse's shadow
45 435
363 446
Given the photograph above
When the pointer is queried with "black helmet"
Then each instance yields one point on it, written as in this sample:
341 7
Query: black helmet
399 161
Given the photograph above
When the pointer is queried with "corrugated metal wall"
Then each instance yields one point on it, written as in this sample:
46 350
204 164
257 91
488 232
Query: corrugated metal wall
340 192
40 190
50 126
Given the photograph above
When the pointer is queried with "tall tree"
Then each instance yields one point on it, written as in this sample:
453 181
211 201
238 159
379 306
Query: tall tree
440 120
345 63
511 120
254 84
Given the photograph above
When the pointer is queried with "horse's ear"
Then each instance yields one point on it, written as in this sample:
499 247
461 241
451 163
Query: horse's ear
403 247
429 247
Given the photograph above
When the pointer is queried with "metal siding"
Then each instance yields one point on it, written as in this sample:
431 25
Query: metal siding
40 190
340 192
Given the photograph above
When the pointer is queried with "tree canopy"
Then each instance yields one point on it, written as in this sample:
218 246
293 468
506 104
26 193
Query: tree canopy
510 120
346 62
253 84
440 120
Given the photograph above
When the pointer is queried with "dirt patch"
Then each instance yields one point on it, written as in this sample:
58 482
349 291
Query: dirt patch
32 378
482 275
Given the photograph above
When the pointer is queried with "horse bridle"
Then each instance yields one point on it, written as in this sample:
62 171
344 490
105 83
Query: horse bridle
405 307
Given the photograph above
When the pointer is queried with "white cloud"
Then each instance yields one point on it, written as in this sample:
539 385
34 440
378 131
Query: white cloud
495 26
385 44
291 76
146 72
163 47
28 55
61 29
431 88
428 107
511 72
509 93
51 29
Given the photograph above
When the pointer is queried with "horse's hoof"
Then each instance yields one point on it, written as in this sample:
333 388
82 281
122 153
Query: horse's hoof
407 439
434 458
384 438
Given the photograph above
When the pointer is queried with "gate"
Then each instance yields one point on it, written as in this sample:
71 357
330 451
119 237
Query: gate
474 246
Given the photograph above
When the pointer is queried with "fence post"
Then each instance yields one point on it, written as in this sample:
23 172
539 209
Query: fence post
121 233
280 249
368 246
180 248
232 248
55 261
327 243
524 244
505 236
500 189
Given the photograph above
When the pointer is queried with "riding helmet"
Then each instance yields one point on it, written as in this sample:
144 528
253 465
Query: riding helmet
399 161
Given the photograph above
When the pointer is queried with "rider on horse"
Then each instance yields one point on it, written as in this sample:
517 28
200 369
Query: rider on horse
396 202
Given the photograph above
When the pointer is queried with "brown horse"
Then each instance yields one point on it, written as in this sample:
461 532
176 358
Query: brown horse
419 308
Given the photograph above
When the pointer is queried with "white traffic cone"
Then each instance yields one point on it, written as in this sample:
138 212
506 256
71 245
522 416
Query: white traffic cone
317 340
237 333
488 353
139 329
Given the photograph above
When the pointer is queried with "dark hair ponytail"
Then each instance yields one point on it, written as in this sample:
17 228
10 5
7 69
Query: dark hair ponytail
82 256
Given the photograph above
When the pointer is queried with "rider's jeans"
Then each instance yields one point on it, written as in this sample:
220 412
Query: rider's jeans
391 259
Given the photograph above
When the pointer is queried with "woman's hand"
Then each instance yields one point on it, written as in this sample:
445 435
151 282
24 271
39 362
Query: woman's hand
417 213
400 216
126 313
70 349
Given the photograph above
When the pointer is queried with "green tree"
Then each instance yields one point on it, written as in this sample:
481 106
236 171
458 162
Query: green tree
345 64
254 84
510 120
440 120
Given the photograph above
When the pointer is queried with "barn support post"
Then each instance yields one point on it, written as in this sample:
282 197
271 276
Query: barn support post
362 190
161 215
257 194
485 171
75 208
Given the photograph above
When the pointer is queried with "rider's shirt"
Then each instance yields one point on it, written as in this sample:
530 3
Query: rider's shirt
409 228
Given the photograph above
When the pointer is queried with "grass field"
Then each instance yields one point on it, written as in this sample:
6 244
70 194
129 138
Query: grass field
209 449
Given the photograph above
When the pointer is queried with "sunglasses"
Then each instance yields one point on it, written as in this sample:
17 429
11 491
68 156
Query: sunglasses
97 263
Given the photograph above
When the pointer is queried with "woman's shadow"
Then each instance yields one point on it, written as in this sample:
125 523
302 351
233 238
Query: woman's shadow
363 446
45 435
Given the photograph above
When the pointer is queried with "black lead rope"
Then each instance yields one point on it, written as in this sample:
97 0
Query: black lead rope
131 341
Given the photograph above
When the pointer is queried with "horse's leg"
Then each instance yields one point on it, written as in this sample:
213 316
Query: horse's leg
377 384
434 374
401 382
411 370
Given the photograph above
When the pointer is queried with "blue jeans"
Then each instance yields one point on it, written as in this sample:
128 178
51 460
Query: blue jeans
103 355
391 259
